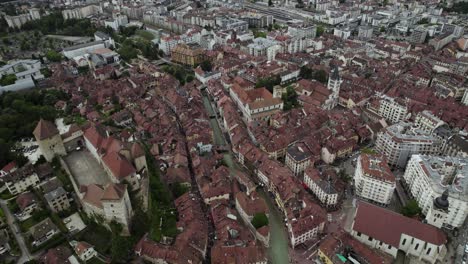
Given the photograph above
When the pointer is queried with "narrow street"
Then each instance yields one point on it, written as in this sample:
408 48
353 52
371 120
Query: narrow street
278 251
25 255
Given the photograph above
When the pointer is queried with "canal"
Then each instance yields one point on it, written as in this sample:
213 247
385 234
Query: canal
278 251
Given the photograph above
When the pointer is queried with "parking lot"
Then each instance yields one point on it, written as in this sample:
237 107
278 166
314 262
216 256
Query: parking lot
85 168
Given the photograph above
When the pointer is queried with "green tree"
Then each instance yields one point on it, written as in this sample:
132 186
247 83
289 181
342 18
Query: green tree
320 31
411 209
306 73
206 65
289 99
7 79
321 76
127 52
259 220
54 56
270 3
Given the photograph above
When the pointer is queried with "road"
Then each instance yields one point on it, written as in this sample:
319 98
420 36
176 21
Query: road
25 255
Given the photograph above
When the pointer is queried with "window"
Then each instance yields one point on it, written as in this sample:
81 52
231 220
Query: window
416 247
404 242
429 251
370 238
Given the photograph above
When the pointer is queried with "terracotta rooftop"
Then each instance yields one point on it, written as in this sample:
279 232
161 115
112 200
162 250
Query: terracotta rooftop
45 129
387 226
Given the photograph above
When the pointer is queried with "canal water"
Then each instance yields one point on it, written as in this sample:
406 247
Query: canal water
278 251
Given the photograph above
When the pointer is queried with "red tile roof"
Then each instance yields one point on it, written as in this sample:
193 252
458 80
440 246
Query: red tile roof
45 129
118 165
388 226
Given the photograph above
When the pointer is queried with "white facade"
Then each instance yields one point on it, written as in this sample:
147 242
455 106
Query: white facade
399 141
20 185
264 47
426 178
373 179
465 96
323 190
392 110
428 122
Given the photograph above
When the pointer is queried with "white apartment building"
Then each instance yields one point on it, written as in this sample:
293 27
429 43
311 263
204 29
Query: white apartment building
373 179
465 97
390 232
428 122
427 177
116 22
81 12
26 71
399 141
392 110
264 47
298 158
21 179
322 188
167 43
302 31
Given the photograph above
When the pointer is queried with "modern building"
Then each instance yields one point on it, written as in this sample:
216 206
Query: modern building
302 31
49 140
264 47
373 179
81 12
391 232
116 22
19 20
418 36
365 32
187 54
392 109
21 179
257 20
26 72
57 200
83 49
399 141
298 158
428 177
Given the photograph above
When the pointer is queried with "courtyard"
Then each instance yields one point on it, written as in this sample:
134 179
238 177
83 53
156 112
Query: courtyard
85 168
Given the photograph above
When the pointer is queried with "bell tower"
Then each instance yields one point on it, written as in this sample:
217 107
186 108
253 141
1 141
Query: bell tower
439 210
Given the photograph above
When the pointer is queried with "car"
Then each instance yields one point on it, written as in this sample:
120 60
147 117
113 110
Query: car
78 148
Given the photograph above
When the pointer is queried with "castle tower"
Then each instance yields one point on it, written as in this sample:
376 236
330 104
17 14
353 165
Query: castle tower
438 212
334 82
49 140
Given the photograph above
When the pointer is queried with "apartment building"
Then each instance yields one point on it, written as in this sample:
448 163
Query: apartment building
427 177
391 232
392 109
428 122
57 200
298 158
399 141
322 187
373 179
21 179
187 54
456 145
264 47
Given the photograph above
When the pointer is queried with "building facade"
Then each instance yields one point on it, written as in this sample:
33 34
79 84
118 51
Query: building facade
427 177
373 179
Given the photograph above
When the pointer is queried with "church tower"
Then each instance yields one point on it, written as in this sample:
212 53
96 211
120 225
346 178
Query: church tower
334 82
438 212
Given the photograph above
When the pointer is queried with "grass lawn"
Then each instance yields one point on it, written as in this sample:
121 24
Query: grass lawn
6 195
368 151
95 261
145 34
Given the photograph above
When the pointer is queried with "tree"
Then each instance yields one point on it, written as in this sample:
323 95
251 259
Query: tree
270 3
54 56
268 82
127 52
7 79
289 99
321 76
320 31
306 73
259 220
411 209
206 65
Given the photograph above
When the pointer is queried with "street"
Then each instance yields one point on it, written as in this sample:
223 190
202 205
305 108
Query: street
25 255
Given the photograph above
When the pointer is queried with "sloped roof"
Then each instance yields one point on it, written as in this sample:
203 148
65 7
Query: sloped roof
45 129
118 165
388 226
114 192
